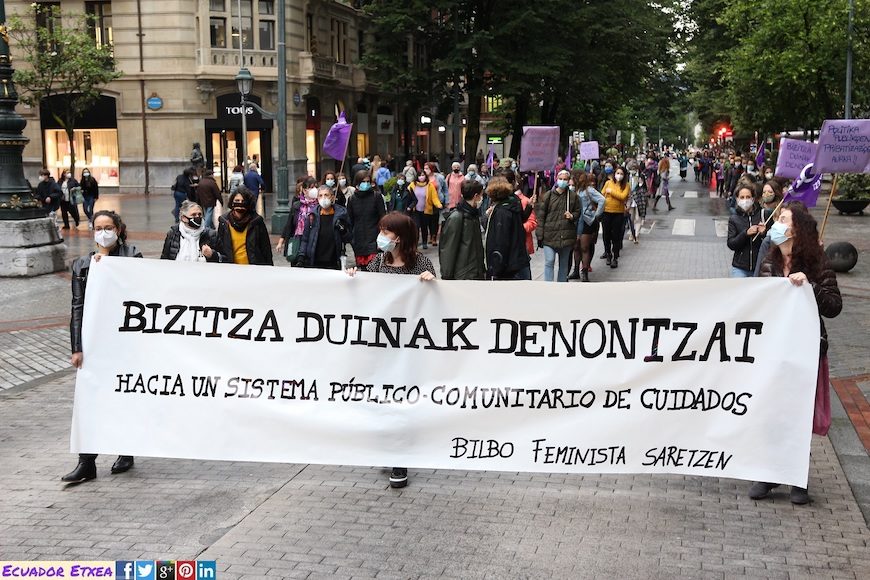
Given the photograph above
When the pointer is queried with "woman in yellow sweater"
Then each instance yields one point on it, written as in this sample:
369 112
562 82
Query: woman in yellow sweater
427 200
615 192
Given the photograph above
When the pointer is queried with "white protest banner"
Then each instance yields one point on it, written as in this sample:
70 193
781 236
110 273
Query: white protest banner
589 150
312 366
539 149
794 155
844 147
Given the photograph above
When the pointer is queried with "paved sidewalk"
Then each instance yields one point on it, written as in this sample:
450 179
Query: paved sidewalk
288 521
295 521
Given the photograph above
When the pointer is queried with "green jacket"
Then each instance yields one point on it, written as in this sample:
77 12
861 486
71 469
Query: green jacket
461 245
553 229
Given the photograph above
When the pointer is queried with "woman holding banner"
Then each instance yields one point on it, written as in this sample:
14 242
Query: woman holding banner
242 234
397 242
110 235
798 255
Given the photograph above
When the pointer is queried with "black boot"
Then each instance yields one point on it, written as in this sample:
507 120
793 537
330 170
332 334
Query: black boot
614 263
584 276
122 464
86 470
575 275
609 258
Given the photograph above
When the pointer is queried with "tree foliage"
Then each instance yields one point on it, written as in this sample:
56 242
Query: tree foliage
62 60
776 65
574 63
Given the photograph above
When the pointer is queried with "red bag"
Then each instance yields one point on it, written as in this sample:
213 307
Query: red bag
822 412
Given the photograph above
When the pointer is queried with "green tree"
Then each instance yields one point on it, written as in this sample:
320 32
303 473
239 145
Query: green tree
61 61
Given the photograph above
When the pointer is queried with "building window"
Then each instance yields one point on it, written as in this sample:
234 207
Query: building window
266 7
492 104
100 22
267 35
309 29
48 18
361 45
96 149
217 5
218 32
247 24
419 55
338 40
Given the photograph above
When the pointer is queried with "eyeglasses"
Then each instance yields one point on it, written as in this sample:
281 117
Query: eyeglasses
104 229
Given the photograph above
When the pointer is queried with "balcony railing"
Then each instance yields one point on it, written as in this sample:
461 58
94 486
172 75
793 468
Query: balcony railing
324 68
230 57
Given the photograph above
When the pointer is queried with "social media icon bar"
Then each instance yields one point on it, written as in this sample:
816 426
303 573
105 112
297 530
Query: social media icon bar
124 570
144 569
185 570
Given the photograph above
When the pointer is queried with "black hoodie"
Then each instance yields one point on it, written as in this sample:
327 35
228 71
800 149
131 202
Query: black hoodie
505 246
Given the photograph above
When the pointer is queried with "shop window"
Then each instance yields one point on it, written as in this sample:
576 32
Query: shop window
247 32
218 32
100 16
338 40
492 104
267 35
362 144
96 149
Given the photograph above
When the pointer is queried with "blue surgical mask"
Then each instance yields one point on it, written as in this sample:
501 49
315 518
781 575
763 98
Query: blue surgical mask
385 244
330 183
364 186
777 233
562 183
400 182
608 170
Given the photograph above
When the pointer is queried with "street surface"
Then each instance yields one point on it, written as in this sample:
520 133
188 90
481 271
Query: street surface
326 521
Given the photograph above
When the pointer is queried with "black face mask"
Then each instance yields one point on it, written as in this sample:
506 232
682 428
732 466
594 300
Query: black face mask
194 223
238 206
455 171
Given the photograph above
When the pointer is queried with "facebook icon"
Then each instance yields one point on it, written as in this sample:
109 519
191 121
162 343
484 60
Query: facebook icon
124 570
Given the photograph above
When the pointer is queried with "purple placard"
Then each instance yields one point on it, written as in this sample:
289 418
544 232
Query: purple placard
540 148
844 147
589 150
794 155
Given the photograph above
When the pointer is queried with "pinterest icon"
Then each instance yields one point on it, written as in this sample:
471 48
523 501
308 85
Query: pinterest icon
185 570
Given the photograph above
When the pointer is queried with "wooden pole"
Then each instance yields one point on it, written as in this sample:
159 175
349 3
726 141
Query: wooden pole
828 209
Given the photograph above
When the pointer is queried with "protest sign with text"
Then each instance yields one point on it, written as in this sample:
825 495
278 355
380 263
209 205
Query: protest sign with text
539 149
303 366
589 150
794 155
844 147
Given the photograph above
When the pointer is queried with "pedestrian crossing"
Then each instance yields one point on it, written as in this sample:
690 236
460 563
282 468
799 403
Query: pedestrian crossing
688 227
689 194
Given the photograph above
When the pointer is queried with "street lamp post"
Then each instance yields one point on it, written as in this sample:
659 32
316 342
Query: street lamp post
282 208
245 82
848 111
29 242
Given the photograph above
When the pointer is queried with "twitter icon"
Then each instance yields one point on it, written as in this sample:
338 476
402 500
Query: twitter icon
144 569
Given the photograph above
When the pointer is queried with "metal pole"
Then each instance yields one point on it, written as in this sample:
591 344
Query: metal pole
848 111
244 137
282 209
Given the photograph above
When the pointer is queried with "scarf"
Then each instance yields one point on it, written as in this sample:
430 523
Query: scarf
305 208
188 248
240 224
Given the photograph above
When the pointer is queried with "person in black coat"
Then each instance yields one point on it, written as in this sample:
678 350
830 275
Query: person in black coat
505 239
365 209
48 192
746 231
191 233
68 206
110 235
90 194
326 233
183 189
242 234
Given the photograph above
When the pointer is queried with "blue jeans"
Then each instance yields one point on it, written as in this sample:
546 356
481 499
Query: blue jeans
88 202
740 273
550 260
179 196
208 215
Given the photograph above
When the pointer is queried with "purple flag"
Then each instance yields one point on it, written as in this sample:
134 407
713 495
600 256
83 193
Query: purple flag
759 159
806 187
335 144
490 159
569 160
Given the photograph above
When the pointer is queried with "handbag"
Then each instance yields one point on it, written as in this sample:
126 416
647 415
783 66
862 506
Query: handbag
291 248
822 409
75 195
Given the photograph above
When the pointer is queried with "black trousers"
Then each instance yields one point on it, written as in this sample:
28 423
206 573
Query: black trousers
613 225
67 207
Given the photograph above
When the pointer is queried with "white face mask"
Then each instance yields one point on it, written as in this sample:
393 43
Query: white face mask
312 193
325 202
745 204
619 177
105 238
69 175
768 175
86 174
385 244
342 182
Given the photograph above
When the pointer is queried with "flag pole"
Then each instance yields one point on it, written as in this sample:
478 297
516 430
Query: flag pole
344 157
828 208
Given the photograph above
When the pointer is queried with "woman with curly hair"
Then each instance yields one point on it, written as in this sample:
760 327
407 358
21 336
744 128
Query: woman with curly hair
798 255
